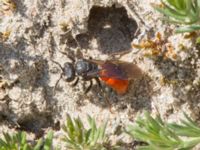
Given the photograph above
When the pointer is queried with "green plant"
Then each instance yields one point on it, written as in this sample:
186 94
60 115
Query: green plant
18 141
79 138
185 12
14 142
165 136
45 143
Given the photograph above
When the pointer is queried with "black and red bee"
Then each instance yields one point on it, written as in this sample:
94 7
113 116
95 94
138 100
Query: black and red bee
116 74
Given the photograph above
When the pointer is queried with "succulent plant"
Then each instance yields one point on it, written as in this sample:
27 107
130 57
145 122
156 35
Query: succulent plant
77 137
18 141
166 136
184 12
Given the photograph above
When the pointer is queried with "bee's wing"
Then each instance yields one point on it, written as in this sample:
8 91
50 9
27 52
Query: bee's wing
132 71
120 53
98 62
119 70
117 74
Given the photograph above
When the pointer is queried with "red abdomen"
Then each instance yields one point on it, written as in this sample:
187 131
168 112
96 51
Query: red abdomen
120 86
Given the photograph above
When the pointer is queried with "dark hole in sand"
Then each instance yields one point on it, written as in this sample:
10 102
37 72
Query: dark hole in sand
111 28
35 124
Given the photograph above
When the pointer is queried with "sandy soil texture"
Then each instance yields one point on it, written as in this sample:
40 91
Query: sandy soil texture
38 33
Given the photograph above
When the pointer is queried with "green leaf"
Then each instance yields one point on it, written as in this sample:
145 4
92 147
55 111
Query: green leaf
173 15
3 143
84 139
79 130
102 131
7 137
87 136
38 145
185 12
69 128
93 128
161 135
191 143
198 41
48 141
190 28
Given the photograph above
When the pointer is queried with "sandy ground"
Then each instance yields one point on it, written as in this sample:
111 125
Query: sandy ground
40 30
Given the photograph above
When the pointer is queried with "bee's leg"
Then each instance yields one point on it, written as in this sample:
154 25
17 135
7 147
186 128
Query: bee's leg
98 82
71 57
106 97
76 82
104 93
89 87
57 83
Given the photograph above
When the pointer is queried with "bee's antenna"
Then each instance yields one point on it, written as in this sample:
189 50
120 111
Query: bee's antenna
54 89
68 55
56 84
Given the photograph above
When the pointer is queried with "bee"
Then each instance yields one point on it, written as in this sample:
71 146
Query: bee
114 73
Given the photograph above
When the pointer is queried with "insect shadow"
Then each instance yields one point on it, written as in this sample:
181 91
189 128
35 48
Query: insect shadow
138 96
181 76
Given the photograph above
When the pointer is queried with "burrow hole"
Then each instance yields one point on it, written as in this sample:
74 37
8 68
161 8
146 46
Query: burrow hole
110 30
